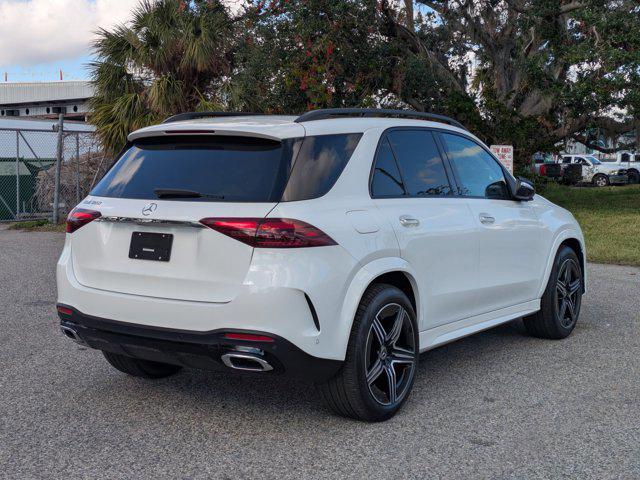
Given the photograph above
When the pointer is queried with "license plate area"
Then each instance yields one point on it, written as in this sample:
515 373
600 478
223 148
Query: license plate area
151 246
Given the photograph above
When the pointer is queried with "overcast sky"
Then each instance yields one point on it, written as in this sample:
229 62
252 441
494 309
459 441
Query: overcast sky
40 37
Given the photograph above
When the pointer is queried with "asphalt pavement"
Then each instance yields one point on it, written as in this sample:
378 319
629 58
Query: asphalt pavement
497 405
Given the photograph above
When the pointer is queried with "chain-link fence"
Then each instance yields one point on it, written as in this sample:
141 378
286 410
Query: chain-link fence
28 171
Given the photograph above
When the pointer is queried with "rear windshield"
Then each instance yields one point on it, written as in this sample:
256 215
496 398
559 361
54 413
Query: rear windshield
229 169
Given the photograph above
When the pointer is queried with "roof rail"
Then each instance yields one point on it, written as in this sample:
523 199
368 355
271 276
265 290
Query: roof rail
194 115
327 113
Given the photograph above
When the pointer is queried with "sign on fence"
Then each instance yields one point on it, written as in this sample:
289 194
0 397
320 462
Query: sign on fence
504 154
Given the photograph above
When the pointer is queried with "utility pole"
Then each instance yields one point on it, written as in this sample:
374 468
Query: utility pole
56 190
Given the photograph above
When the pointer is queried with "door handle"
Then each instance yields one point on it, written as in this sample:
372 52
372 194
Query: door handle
486 219
407 221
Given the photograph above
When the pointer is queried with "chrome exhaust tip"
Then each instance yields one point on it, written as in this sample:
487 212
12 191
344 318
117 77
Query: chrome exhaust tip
71 334
245 362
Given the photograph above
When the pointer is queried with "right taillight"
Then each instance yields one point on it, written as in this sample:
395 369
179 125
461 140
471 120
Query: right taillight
270 232
543 170
79 217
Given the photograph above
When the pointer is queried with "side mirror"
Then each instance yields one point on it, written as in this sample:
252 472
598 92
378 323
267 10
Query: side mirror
524 190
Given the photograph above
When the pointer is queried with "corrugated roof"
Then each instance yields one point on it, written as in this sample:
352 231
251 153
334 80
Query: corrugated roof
15 93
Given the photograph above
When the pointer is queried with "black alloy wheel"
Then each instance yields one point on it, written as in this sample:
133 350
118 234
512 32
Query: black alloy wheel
568 293
390 354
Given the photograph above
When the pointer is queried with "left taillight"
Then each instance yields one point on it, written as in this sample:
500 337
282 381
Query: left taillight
270 232
79 217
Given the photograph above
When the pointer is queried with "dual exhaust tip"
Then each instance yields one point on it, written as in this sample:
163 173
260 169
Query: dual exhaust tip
245 361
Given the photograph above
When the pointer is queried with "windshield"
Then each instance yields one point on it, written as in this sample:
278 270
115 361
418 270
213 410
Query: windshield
594 160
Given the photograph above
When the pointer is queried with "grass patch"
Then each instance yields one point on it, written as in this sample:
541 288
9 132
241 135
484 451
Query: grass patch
609 217
37 226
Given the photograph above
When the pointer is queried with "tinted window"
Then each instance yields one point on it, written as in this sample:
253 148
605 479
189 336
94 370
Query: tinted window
220 168
231 169
318 165
478 172
420 162
386 181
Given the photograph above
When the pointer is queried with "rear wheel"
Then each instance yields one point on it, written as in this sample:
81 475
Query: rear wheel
634 176
381 361
560 304
140 368
601 180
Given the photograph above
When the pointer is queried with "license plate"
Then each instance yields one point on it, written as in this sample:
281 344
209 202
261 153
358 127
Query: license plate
151 246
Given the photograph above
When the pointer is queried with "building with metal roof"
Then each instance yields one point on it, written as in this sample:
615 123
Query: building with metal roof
45 99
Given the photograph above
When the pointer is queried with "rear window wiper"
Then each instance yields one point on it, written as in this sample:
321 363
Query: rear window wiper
180 193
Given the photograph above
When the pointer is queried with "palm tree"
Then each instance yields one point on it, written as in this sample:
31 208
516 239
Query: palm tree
172 57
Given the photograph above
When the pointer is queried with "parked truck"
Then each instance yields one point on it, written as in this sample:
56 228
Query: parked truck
631 162
596 172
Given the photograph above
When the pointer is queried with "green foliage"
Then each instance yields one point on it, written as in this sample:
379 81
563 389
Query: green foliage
172 57
531 73
301 55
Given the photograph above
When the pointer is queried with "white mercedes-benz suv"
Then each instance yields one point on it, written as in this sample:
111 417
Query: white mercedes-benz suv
334 247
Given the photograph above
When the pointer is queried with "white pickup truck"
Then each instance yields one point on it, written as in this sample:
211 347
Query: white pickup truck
629 161
596 172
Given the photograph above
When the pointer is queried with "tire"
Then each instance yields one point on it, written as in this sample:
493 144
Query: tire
601 180
634 176
384 312
554 321
140 368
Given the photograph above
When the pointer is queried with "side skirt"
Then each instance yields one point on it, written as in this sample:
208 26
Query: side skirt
450 332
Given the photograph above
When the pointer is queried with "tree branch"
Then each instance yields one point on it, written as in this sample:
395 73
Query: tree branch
571 7
413 42
594 146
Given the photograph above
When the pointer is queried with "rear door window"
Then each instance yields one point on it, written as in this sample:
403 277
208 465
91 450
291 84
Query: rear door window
420 163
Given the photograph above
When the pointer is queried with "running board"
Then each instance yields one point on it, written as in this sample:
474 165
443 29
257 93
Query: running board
450 332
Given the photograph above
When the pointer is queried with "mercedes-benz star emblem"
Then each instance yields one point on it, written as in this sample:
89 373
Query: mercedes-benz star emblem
149 209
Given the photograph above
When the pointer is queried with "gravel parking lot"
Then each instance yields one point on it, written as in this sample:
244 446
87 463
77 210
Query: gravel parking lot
495 405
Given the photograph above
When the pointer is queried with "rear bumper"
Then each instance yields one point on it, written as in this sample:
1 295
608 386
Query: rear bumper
298 296
203 350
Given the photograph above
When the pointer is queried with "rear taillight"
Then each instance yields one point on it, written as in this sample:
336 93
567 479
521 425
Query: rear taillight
270 232
543 170
79 217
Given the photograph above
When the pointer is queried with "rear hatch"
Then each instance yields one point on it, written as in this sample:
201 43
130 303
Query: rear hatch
165 186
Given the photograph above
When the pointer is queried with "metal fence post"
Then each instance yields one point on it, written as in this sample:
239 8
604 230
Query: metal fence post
17 215
77 168
56 190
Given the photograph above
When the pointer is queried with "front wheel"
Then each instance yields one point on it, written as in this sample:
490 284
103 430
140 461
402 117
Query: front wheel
634 176
381 360
601 180
561 301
